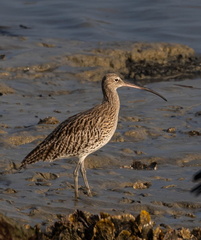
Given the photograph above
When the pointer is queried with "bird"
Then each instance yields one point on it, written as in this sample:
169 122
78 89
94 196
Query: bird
197 189
86 132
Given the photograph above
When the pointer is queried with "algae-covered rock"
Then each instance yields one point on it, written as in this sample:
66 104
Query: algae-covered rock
49 120
104 229
86 226
83 225
11 230
142 61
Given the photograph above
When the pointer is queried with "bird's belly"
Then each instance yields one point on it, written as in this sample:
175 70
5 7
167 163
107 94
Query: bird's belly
93 143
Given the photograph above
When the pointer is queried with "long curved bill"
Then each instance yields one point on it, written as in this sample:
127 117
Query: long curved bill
144 88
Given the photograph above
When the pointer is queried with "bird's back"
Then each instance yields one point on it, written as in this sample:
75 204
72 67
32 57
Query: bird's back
78 136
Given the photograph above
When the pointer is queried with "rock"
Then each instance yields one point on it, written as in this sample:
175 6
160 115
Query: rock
4 89
142 61
9 229
194 133
138 165
49 120
83 225
170 130
141 185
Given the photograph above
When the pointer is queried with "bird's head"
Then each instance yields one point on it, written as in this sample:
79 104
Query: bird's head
112 81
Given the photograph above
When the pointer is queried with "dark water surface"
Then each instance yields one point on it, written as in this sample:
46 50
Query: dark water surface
74 26
155 21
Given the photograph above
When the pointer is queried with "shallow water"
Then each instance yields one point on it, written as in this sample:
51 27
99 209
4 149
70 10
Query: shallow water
172 21
142 133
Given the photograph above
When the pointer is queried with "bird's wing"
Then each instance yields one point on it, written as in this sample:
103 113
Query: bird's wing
66 140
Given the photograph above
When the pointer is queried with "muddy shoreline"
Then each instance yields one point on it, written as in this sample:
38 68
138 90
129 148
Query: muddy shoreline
39 93
144 62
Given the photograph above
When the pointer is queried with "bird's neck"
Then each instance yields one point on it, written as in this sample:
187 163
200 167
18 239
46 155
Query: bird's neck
110 107
111 98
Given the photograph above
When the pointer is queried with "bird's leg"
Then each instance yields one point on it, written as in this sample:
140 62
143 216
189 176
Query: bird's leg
76 174
83 172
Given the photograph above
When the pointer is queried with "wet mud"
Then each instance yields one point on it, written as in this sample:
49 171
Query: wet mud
150 161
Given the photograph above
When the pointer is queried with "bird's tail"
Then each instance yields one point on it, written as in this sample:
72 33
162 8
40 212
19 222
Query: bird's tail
42 152
34 156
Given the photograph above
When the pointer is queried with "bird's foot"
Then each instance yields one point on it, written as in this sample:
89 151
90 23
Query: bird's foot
89 193
86 191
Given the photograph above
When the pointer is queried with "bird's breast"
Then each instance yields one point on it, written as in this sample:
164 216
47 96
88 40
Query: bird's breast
92 131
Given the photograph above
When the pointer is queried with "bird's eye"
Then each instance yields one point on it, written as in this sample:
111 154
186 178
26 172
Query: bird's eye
116 79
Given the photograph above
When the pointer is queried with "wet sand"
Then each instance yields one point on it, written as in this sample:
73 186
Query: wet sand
149 130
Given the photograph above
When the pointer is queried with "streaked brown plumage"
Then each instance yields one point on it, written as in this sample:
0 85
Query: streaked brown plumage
86 132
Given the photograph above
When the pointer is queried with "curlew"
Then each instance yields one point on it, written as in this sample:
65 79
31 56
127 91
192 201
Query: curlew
85 132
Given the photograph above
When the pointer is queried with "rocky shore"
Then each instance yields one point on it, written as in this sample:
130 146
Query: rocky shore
83 225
